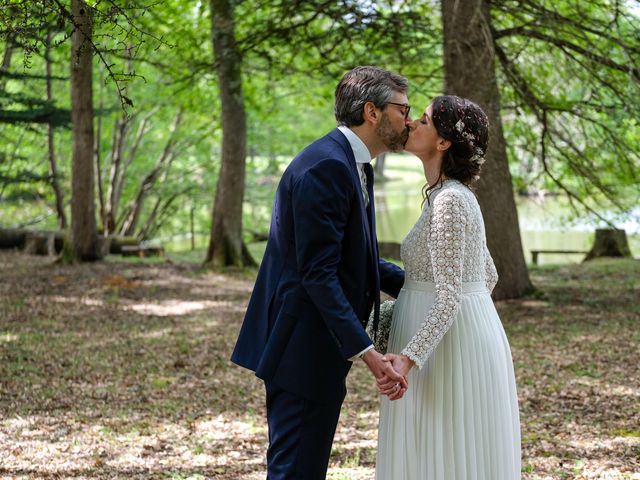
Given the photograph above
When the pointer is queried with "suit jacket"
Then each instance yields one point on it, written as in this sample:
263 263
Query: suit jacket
319 278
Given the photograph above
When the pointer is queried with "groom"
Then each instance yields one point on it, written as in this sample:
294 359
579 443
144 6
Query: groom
321 276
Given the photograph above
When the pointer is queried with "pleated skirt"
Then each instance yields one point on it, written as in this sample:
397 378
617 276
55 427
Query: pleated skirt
459 419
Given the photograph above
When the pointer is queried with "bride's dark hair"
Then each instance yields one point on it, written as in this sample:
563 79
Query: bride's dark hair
466 126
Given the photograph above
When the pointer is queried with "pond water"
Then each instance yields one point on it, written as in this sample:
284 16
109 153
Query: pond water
545 223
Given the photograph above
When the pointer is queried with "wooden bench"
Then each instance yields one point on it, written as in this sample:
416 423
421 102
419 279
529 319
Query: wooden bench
535 253
142 251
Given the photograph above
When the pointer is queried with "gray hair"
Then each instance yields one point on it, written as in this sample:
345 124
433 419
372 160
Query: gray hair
362 85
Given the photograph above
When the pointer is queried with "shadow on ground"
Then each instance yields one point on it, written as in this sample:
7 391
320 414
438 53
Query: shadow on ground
120 370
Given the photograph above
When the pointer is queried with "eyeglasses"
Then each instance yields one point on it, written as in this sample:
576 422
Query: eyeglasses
405 106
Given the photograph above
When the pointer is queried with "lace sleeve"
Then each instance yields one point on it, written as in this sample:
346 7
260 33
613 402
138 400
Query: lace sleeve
491 274
446 240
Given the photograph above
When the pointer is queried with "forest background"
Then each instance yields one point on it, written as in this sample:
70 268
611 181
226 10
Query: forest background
186 114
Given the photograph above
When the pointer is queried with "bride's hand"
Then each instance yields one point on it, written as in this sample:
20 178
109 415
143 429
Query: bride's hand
401 364
382 370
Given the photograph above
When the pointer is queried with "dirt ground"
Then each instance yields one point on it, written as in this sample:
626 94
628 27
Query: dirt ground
120 370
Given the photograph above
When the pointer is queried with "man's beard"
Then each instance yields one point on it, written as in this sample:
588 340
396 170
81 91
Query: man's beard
392 139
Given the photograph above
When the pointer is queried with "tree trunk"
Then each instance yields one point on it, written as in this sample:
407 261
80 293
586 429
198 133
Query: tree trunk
226 245
84 239
145 231
160 211
118 165
192 230
609 242
6 60
97 156
53 168
142 130
379 167
469 64
116 176
130 223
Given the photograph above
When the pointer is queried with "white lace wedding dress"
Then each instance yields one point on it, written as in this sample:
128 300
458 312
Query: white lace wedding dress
459 419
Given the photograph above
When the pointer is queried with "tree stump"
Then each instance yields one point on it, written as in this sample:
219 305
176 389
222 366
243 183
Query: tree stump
609 242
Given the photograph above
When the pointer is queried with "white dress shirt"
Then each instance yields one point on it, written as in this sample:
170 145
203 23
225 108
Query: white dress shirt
362 154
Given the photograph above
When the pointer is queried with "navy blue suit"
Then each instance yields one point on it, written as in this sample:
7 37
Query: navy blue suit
318 281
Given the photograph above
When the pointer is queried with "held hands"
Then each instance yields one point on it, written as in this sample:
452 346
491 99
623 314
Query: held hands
389 379
402 365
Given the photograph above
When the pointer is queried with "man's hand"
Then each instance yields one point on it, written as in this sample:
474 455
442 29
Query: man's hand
382 368
402 365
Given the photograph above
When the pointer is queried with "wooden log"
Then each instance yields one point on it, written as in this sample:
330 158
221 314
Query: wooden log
45 242
42 242
142 251
609 242
12 237
119 241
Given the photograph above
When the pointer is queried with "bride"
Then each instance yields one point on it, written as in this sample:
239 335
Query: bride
459 418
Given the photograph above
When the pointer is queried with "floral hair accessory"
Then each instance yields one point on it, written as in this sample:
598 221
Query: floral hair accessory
478 157
468 136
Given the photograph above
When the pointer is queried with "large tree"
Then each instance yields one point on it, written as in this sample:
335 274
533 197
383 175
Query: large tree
570 72
226 246
84 238
469 65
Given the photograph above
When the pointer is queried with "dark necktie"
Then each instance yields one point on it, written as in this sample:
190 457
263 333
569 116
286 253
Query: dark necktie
365 172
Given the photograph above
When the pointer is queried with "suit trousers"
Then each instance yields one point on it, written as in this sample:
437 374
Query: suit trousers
300 434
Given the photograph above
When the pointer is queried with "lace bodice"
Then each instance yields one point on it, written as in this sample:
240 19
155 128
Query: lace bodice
446 246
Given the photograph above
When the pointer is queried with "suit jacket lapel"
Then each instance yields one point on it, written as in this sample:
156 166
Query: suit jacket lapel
368 215
367 212
371 217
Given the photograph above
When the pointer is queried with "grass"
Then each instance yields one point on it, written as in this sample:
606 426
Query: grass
120 370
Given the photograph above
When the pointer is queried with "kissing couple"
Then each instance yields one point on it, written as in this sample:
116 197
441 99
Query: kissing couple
448 407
